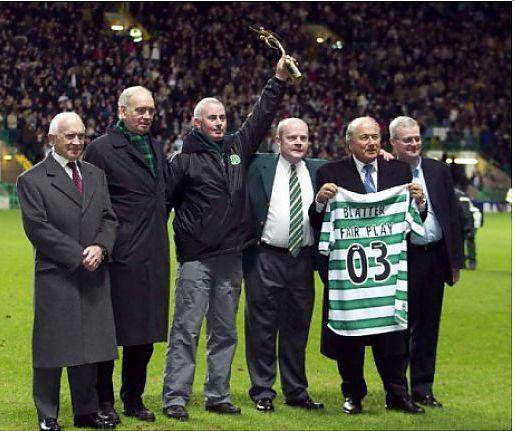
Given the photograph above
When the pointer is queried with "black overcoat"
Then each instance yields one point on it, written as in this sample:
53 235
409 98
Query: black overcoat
140 266
73 320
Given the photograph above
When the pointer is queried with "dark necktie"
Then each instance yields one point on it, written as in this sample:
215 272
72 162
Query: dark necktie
369 181
75 175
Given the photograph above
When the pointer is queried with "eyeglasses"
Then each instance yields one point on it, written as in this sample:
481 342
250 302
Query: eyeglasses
142 110
409 139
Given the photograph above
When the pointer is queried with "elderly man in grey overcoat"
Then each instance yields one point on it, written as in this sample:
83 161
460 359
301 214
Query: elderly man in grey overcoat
68 218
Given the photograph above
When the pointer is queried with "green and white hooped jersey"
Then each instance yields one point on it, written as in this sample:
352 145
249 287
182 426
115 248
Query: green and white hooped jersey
364 236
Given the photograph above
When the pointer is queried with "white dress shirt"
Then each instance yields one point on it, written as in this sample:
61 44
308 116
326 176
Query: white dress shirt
277 226
431 226
360 165
64 163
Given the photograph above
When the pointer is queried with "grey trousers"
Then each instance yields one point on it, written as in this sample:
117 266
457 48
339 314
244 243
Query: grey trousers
82 380
209 287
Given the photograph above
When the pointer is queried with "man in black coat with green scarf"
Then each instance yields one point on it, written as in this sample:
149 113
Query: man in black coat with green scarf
134 166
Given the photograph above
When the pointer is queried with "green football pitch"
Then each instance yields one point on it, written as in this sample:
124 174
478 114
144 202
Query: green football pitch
473 368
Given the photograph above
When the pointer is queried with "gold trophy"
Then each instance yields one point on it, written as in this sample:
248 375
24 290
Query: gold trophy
273 42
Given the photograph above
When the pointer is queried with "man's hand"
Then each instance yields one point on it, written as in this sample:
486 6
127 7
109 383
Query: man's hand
416 192
92 257
327 191
280 69
455 275
386 155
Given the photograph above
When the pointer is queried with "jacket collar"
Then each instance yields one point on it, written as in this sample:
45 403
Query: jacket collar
191 144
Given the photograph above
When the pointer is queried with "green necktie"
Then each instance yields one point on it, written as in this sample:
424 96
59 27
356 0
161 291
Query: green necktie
296 214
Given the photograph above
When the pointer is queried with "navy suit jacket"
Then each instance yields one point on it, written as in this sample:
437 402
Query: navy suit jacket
441 192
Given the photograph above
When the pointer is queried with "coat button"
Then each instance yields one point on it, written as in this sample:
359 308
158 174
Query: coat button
261 223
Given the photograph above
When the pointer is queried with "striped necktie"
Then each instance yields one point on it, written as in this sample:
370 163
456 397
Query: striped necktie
296 213
369 181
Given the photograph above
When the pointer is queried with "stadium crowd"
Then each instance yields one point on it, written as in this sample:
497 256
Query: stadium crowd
450 62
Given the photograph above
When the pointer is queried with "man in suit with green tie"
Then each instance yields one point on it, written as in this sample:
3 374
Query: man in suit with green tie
278 268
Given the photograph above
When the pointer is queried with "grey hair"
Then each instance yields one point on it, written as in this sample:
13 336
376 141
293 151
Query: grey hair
355 123
53 128
126 95
401 123
197 111
284 122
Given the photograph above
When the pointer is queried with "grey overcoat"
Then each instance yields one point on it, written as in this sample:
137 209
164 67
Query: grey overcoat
73 321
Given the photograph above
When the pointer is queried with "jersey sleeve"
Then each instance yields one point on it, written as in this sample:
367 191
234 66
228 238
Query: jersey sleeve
327 232
413 218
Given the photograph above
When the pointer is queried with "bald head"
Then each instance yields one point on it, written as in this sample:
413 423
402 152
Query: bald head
363 139
136 109
286 122
292 139
63 117
66 133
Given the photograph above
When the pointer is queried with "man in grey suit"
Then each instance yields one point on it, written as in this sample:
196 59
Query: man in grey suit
278 268
68 218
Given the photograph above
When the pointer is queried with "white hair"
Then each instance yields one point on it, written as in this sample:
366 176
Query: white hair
284 122
355 123
401 123
53 128
197 111
126 95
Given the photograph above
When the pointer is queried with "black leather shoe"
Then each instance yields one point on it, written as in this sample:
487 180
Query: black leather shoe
352 406
224 409
264 405
307 404
108 412
176 412
140 412
427 400
405 405
49 424
93 421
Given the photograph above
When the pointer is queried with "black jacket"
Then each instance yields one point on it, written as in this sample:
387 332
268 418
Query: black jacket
207 188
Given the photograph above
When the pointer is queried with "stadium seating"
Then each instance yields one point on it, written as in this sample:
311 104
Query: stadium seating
446 64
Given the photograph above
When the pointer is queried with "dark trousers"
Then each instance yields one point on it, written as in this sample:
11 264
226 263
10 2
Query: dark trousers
389 360
134 376
425 296
46 383
279 293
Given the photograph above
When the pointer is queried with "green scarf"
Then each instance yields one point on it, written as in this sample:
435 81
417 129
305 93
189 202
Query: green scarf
140 142
207 142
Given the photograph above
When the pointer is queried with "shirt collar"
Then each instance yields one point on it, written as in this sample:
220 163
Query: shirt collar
285 164
360 164
63 161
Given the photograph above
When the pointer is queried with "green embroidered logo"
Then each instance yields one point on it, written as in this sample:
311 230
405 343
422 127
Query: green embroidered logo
235 159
